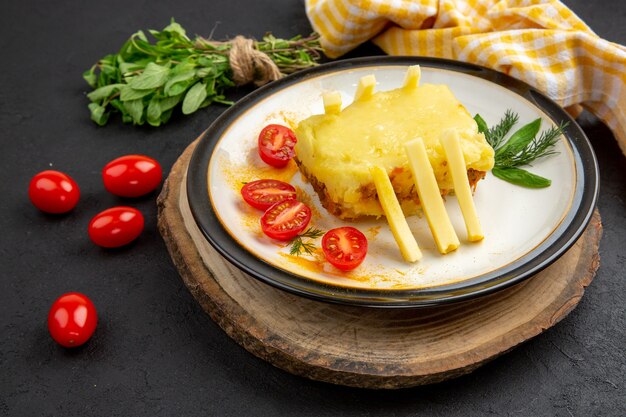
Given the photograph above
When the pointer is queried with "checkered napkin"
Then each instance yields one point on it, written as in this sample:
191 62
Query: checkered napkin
539 41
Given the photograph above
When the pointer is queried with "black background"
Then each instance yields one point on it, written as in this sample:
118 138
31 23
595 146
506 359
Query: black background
155 352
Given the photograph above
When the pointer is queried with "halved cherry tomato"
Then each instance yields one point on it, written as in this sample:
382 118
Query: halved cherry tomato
262 194
53 192
132 175
115 227
72 319
285 219
276 143
344 247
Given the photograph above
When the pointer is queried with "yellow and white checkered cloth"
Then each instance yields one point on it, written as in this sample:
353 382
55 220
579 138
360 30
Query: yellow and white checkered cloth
539 41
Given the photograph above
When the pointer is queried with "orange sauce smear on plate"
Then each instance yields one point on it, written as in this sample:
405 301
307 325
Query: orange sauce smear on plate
318 264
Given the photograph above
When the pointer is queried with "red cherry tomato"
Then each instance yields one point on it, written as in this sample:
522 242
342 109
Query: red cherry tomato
276 144
115 227
285 219
53 192
132 175
262 194
344 247
72 319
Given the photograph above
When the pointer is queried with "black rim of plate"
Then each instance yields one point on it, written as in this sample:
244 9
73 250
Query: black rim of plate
562 238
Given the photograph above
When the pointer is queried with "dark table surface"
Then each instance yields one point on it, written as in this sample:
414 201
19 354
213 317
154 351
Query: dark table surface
155 352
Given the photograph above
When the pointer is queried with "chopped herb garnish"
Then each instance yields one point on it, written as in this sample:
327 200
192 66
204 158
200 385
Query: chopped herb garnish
298 245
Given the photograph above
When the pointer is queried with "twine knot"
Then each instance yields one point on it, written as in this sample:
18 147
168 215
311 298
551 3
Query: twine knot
251 65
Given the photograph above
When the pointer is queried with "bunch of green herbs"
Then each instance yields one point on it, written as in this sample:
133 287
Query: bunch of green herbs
145 81
522 148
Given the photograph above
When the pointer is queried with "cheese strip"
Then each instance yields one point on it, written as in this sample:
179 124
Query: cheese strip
457 168
365 89
430 197
412 77
397 222
332 102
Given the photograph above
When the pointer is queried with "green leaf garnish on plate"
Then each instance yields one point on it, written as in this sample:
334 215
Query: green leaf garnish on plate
300 246
520 149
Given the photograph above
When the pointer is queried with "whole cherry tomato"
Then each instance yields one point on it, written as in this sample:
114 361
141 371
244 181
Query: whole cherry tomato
262 194
53 192
72 319
276 143
285 219
132 175
115 227
344 247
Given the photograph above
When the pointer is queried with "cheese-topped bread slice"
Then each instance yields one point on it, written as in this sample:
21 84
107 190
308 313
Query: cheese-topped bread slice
336 150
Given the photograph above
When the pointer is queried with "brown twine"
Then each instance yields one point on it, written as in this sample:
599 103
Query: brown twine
251 65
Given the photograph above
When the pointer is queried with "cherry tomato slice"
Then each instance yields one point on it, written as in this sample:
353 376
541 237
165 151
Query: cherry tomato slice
344 247
115 227
132 175
53 192
72 319
276 143
262 194
285 219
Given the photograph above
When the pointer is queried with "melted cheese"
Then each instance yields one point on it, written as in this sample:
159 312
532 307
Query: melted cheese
339 149
397 222
432 203
412 77
454 154
365 89
332 102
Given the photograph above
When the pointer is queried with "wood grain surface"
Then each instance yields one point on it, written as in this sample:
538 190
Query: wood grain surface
364 347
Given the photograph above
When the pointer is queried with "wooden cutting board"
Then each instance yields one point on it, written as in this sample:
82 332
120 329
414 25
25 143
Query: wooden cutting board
365 347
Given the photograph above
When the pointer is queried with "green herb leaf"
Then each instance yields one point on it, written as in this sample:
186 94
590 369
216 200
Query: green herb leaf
168 103
313 233
180 87
175 27
165 116
135 110
153 76
210 87
179 83
194 98
110 72
153 115
139 34
520 139
186 64
204 72
118 105
104 92
91 77
482 125
127 93
126 67
495 136
521 177
98 114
